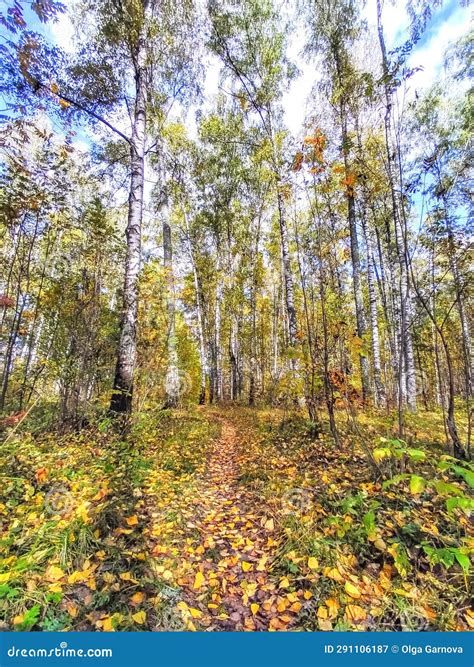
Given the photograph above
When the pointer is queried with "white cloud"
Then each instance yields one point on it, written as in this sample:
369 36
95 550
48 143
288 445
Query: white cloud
62 32
296 100
431 55
394 18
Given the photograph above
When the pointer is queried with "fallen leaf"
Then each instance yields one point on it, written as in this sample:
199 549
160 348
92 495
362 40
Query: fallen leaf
137 597
72 610
324 624
139 617
199 580
354 613
313 563
333 573
41 475
322 612
352 590
53 573
269 525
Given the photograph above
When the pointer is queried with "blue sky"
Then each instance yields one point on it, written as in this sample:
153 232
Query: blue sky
448 24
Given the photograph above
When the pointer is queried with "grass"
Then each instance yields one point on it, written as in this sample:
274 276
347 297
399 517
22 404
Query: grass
66 502
93 523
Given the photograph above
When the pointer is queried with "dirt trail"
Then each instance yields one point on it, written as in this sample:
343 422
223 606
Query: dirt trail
228 584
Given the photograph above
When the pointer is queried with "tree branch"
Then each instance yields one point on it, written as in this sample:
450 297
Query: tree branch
81 107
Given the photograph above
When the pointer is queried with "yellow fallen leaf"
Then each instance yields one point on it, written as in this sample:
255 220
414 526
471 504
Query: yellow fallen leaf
72 609
4 577
354 613
262 564
333 573
307 595
91 583
112 623
106 624
469 616
132 520
77 576
352 590
246 566
333 605
53 573
199 580
167 575
282 604
139 617
313 563
322 612
195 613
254 607
55 588
137 597
269 525
284 583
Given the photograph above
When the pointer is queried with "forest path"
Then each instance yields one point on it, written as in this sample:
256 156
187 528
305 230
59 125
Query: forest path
228 585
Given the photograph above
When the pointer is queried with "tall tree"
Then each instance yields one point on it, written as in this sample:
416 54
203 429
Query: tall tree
334 27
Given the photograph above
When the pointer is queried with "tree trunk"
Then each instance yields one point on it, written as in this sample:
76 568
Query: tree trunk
458 450
172 382
122 395
405 362
287 272
379 394
200 319
217 337
351 218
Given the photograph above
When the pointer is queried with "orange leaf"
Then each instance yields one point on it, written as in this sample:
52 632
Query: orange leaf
41 475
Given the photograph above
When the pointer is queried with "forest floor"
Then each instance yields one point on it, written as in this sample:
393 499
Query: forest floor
228 518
